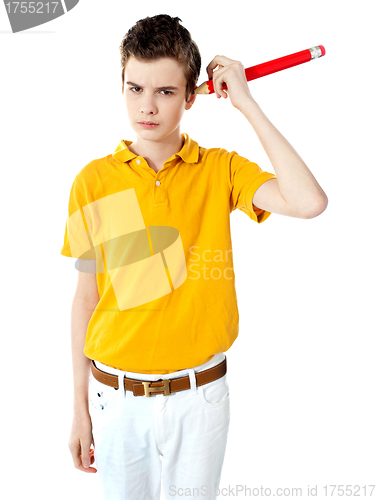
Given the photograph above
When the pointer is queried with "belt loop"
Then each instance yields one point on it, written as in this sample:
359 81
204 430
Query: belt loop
194 389
121 387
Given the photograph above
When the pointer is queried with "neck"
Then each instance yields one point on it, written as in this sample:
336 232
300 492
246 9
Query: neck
156 153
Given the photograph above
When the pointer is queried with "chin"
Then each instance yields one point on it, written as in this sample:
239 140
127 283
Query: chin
151 134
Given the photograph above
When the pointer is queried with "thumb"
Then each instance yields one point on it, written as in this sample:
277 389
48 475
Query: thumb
85 453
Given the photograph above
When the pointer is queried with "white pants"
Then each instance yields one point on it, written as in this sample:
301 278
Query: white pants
182 435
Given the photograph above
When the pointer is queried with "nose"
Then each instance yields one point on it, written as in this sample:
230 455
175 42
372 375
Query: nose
148 105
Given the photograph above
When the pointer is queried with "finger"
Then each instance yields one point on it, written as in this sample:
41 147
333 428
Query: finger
218 80
211 72
92 459
85 453
91 470
216 61
75 449
78 462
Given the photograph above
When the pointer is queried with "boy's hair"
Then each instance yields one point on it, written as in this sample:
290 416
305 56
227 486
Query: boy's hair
162 36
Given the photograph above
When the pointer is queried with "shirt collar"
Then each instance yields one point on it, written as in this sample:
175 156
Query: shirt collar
189 152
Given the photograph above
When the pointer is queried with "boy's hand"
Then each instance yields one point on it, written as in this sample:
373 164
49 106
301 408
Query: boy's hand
80 440
233 74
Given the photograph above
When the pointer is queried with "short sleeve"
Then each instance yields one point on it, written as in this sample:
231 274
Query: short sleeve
77 241
245 178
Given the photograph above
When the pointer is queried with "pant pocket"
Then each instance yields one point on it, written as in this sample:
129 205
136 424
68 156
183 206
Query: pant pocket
101 396
215 393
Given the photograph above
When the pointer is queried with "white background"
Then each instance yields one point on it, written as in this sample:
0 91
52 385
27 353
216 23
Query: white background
302 373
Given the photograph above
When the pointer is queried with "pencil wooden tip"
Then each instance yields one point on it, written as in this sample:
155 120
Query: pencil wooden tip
202 89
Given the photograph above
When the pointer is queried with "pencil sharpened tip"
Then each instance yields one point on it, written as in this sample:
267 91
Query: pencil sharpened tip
202 89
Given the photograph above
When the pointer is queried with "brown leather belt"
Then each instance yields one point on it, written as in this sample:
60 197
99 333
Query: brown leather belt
146 388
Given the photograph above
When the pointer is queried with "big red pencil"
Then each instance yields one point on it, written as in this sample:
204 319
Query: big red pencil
269 67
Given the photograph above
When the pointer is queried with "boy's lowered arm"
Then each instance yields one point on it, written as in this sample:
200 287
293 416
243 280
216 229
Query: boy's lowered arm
84 303
295 192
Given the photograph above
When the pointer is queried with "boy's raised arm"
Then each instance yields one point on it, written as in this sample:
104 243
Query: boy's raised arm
295 192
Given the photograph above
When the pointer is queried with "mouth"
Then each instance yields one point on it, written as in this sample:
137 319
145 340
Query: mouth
148 124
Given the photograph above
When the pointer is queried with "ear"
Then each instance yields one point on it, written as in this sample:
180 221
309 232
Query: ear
191 101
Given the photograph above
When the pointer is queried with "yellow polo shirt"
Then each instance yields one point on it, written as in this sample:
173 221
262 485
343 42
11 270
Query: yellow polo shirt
160 245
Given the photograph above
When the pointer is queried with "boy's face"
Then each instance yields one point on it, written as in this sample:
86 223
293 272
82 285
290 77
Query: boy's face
150 97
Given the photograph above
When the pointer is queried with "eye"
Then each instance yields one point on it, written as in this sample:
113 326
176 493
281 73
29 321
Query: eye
168 92
135 88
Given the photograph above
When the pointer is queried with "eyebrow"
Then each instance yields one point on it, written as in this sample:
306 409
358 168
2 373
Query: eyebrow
167 87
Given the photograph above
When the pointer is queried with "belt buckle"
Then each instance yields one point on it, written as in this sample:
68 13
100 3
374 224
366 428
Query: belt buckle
148 390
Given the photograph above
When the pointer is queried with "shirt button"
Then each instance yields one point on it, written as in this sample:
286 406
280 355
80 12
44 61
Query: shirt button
158 183
138 161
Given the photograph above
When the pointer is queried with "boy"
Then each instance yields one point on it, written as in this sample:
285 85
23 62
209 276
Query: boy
155 306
